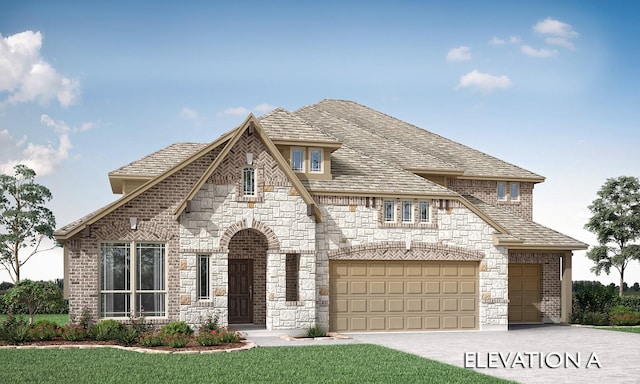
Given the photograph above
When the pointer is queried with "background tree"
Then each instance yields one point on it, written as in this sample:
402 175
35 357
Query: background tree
24 220
32 295
616 223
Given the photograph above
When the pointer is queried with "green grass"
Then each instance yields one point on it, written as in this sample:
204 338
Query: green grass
318 364
623 329
60 319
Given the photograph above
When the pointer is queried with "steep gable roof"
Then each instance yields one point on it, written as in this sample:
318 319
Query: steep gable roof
474 163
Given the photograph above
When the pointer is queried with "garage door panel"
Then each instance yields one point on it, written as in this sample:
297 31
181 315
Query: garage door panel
403 295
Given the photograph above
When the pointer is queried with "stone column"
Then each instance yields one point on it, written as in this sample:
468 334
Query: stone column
566 288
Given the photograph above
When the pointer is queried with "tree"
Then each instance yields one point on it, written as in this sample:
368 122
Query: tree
616 223
24 220
32 295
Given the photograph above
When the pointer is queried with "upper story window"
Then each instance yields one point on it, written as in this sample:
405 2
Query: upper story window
389 210
514 191
249 181
297 159
424 212
502 190
315 160
407 211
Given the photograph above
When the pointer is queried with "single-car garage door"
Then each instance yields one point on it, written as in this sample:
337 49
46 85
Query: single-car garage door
524 293
403 295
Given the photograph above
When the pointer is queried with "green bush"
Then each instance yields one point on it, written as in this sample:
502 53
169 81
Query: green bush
106 330
128 335
150 339
208 338
228 336
316 331
176 340
210 324
595 318
591 301
15 329
44 330
73 332
623 315
632 302
177 327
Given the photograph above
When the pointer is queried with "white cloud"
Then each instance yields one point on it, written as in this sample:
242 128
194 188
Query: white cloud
43 158
540 53
514 39
561 41
459 54
497 41
188 114
26 77
553 27
484 81
243 111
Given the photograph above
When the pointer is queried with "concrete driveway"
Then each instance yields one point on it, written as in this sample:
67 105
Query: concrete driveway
528 354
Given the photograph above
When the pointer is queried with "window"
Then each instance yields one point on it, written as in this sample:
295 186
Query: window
249 181
204 287
424 213
389 210
514 191
292 266
502 193
407 211
315 160
125 289
297 159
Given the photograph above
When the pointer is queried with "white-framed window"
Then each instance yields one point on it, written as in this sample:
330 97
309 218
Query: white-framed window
514 191
389 210
297 159
248 181
424 212
204 283
315 160
502 190
407 211
132 279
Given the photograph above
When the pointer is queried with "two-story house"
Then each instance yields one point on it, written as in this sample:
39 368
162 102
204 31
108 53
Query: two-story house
334 214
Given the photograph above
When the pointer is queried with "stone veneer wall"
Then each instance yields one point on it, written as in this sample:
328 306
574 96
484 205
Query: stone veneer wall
487 191
156 223
218 213
351 226
550 305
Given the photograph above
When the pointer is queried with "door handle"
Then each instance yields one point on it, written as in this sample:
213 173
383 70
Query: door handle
250 292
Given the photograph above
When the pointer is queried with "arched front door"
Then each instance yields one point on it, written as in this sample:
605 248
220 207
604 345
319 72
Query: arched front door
247 277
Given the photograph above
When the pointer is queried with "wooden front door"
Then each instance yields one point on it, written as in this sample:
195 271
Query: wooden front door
240 291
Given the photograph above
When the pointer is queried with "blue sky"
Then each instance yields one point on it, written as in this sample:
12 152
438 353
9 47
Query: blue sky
550 86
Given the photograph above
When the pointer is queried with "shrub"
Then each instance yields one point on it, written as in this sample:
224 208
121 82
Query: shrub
128 335
176 340
15 329
208 338
622 315
316 331
150 339
589 298
44 330
228 336
210 323
139 323
176 327
106 330
85 320
73 332
632 302
595 318
35 297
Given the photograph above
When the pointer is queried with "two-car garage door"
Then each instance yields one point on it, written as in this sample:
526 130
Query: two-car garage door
403 295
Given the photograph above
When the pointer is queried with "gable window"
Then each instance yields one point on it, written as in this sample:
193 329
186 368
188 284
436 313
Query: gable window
502 190
132 279
514 191
407 211
292 267
315 160
389 211
424 213
249 181
204 285
297 159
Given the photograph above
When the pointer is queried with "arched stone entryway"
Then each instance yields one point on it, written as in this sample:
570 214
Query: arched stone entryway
248 277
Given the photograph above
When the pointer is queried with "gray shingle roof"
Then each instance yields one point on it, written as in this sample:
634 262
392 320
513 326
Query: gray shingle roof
159 161
283 125
473 162
531 233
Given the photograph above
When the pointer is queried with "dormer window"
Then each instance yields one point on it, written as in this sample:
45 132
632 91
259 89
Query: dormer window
297 159
248 181
315 160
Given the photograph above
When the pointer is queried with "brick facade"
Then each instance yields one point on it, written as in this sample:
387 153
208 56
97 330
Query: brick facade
487 191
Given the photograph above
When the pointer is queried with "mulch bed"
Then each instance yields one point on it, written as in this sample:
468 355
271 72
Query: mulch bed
193 346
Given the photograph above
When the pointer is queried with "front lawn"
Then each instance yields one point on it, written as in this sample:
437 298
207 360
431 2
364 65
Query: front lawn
60 319
623 329
321 364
